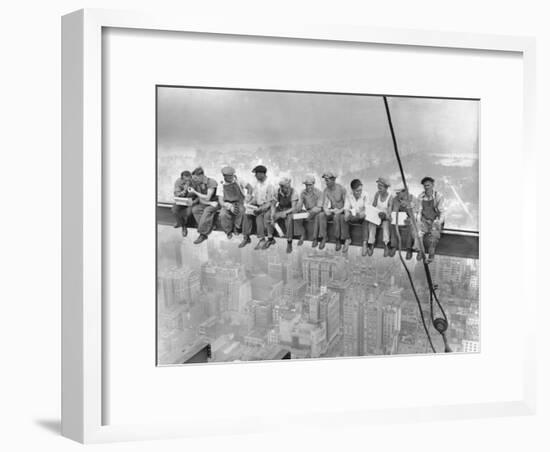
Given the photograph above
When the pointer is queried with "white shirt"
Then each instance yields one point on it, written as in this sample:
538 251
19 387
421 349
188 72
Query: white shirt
262 192
354 205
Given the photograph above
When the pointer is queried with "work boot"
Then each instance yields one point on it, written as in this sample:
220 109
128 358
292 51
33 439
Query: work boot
322 243
289 247
314 243
301 241
419 255
409 254
184 231
177 225
364 249
346 246
392 251
386 250
260 244
229 235
270 241
338 246
370 249
201 238
246 241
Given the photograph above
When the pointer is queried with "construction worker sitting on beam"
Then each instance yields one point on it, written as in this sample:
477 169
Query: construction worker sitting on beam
284 205
431 218
403 205
309 203
332 203
383 202
354 213
183 212
204 188
231 200
261 197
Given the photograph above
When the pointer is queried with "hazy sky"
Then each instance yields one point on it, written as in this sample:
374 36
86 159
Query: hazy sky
195 117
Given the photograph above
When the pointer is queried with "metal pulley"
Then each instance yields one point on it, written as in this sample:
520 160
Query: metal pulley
441 326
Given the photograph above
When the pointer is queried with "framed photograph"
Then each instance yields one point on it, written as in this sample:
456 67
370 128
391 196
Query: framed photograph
257 215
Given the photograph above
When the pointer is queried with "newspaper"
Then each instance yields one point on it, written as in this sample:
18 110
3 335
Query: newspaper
300 216
371 215
183 201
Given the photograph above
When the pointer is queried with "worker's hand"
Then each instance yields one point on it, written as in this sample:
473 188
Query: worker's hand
192 190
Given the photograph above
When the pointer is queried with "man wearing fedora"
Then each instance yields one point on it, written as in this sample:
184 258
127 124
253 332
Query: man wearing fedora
283 206
231 200
309 202
261 197
332 204
383 202
431 217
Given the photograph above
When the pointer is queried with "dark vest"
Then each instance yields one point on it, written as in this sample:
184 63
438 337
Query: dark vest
285 202
429 211
232 193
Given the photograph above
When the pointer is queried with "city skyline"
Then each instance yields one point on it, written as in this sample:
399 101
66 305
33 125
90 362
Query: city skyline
249 305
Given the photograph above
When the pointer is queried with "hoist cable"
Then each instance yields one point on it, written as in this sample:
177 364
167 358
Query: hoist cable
412 283
433 295
411 216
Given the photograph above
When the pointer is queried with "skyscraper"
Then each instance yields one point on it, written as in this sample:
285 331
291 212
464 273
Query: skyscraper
320 270
177 286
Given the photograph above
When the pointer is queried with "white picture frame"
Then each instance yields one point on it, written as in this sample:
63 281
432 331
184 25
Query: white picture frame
83 199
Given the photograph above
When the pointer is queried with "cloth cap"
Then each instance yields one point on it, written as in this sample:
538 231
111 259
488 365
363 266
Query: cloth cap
427 179
309 180
284 181
383 181
329 175
228 171
260 169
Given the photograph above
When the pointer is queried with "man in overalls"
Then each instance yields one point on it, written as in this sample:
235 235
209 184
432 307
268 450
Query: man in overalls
431 218
204 188
382 201
182 213
232 201
284 205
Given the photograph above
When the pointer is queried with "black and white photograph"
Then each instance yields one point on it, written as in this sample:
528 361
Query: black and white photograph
295 225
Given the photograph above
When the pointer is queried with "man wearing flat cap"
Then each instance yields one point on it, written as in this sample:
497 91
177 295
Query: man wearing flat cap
404 205
383 202
261 199
183 212
309 201
232 201
284 204
431 216
204 188
332 205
